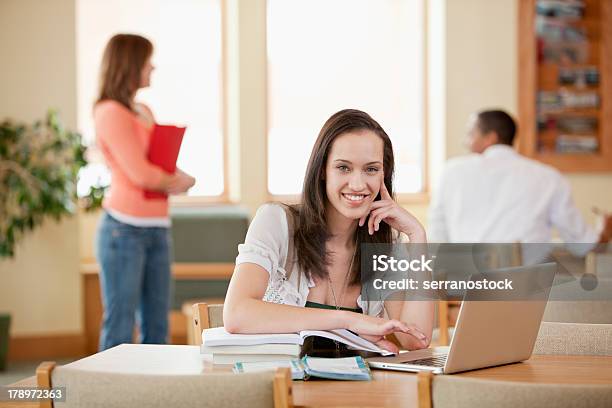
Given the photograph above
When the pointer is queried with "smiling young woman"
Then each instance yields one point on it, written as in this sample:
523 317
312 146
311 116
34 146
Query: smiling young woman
346 201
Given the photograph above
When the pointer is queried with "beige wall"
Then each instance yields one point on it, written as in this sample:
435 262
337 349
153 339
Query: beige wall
40 287
591 190
481 62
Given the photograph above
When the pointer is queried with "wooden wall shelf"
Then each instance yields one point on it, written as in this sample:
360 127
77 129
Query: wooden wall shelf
539 69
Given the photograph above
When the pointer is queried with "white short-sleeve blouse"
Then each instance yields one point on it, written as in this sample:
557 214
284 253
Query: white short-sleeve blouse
266 244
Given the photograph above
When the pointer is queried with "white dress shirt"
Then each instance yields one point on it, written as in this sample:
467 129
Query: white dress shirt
500 196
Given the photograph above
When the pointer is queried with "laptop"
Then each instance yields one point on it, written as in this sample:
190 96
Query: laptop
488 332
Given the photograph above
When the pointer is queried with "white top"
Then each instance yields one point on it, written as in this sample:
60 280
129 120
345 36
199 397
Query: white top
161 222
266 244
500 196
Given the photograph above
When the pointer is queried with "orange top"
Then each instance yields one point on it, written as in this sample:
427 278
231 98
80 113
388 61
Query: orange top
124 141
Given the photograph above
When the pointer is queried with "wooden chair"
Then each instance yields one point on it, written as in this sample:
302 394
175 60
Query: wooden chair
205 316
161 376
453 391
574 339
444 320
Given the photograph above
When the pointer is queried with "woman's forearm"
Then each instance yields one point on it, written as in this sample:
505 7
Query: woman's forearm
421 314
417 313
257 316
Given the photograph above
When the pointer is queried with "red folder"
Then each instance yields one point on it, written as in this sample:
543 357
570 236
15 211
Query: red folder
163 151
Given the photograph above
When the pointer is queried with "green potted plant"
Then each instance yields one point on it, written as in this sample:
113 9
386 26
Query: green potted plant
39 165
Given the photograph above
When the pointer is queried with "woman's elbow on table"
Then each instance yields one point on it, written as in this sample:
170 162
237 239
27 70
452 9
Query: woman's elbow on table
233 318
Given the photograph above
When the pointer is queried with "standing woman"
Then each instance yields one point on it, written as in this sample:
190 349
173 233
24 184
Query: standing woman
133 243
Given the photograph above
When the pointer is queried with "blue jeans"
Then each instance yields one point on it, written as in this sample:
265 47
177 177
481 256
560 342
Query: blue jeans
134 282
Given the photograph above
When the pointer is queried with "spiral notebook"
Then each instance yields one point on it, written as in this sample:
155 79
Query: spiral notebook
348 368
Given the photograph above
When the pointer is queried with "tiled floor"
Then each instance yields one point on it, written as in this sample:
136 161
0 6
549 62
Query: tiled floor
19 370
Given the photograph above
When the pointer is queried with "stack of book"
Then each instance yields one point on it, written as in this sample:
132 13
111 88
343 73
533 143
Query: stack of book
229 348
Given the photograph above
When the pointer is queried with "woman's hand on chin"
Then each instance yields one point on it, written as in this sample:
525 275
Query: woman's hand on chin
387 210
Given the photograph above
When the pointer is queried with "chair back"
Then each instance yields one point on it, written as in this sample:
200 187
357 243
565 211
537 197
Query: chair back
462 392
574 339
205 316
163 376
578 311
582 299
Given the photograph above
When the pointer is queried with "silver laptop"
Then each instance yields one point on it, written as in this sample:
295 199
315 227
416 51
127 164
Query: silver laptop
488 332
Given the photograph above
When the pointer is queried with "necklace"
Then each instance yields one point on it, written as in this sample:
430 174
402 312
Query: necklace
331 287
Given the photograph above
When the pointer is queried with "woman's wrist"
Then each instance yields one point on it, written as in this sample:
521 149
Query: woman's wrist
344 319
417 235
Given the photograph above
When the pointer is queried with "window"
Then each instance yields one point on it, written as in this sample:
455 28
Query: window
327 55
186 84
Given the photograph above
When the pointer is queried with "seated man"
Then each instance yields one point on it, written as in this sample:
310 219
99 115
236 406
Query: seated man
497 195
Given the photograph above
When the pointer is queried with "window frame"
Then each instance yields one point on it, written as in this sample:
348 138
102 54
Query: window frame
180 201
95 155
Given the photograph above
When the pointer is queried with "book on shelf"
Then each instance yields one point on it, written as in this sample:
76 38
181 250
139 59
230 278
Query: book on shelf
348 368
583 125
576 144
561 9
548 101
230 347
579 77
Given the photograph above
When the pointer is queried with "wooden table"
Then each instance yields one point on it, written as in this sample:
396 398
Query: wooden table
388 388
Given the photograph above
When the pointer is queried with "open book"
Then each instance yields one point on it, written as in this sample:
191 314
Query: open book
217 337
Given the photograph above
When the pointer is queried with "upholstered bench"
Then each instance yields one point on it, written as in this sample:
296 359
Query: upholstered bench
208 235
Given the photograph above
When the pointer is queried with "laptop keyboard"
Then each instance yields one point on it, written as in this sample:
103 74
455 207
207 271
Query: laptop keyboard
436 361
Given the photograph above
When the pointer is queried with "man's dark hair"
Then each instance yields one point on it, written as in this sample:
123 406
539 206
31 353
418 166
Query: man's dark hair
499 122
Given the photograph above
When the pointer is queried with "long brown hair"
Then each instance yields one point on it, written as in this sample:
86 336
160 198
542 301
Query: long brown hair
311 231
124 58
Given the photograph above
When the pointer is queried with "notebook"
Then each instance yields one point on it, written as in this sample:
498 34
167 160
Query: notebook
295 364
348 368
164 149
218 336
